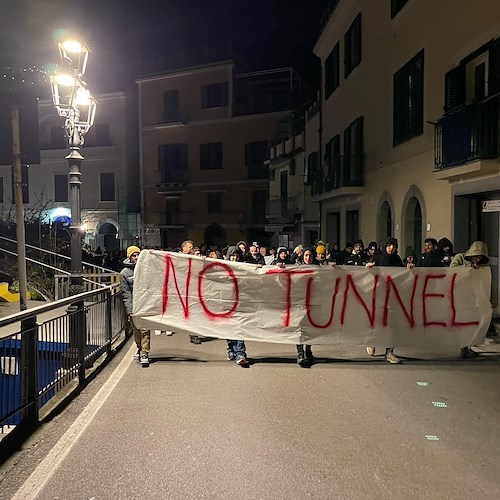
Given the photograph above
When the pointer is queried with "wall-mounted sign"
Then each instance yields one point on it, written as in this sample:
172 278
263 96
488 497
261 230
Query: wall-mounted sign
490 206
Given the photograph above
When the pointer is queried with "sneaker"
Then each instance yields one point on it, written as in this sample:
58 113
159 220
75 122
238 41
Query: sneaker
302 360
370 351
137 355
169 333
194 339
392 358
467 353
230 356
144 361
241 360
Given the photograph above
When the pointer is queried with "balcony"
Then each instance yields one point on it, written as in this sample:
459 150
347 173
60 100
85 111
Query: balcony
466 135
283 210
172 181
172 219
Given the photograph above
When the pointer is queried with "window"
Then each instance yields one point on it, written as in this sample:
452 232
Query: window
61 187
351 225
211 156
214 203
171 111
57 138
173 211
314 173
256 153
333 164
408 102
454 88
352 46
353 154
396 6
1 189
259 200
172 162
332 71
214 95
102 135
107 186
24 183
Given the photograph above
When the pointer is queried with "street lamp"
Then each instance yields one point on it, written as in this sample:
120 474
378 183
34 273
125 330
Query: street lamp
75 103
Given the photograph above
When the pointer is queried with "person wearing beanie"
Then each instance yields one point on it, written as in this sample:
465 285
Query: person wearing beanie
131 250
142 336
321 253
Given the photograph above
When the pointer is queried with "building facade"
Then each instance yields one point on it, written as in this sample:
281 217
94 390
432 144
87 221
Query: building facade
408 137
204 136
109 180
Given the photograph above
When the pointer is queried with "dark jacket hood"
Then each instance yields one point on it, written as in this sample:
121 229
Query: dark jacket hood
232 250
445 242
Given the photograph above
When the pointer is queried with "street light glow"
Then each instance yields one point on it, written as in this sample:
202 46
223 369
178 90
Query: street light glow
72 46
65 80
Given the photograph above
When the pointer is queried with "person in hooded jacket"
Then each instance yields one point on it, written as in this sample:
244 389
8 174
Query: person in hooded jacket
334 256
305 356
236 350
386 255
142 336
476 257
282 257
445 249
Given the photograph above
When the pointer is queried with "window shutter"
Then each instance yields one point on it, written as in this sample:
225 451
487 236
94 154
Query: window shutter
494 69
455 88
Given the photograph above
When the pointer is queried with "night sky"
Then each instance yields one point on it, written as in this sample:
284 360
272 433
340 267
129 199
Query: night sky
129 38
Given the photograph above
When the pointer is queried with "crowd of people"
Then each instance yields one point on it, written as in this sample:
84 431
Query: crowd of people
435 254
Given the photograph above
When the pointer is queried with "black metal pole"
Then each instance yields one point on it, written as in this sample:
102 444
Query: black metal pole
76 314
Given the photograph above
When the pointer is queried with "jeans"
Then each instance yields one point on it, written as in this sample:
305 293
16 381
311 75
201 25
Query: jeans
237 347
304 350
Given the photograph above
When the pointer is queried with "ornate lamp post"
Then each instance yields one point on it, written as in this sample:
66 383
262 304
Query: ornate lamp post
74 102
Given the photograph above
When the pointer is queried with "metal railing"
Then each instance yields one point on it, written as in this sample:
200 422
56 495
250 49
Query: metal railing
48 351
467 134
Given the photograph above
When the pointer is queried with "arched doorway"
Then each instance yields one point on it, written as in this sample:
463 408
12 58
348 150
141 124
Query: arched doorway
413 226
385 226
215 235
107 236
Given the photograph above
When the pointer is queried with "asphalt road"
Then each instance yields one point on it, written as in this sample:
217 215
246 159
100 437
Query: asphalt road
194 425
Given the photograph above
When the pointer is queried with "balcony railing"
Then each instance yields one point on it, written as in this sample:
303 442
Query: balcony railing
167 218
283 208
469 134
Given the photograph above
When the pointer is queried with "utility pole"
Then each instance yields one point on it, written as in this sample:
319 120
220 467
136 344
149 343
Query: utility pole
18 192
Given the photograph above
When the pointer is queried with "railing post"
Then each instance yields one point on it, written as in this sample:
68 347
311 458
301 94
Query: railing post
109 322
29 367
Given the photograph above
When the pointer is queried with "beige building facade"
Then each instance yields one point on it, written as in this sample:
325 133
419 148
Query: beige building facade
204 136
109 217
409 123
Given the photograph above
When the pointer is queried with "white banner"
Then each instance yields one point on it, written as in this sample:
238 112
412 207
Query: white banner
425 308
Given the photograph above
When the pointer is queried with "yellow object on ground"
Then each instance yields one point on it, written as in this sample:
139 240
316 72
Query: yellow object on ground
7 296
